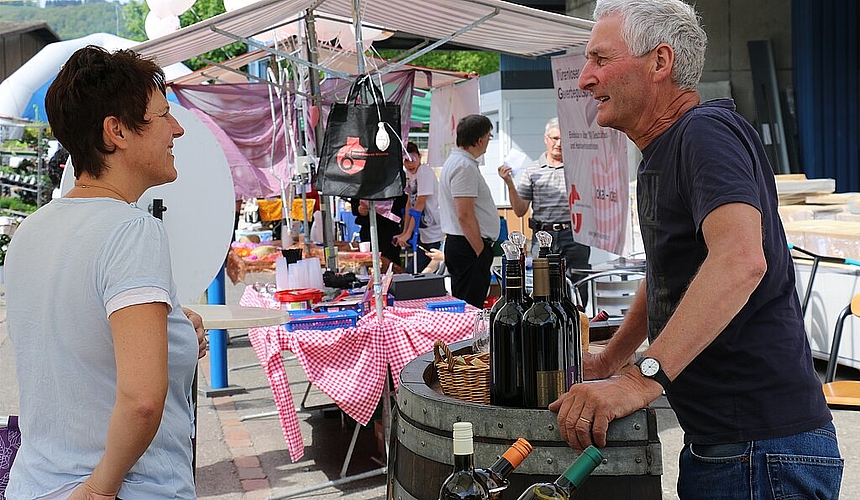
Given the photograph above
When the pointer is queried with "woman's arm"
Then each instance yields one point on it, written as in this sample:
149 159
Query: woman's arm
140 350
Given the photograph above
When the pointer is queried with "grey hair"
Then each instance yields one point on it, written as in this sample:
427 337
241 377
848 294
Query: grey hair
648 23
551 124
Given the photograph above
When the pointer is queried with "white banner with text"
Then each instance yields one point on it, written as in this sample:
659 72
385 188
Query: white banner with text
595 163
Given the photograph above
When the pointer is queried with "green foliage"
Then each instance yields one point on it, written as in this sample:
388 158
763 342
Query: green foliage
16 204
134 14
73 21
14 145
467 61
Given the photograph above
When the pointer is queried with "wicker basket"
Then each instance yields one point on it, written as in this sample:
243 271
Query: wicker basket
464 382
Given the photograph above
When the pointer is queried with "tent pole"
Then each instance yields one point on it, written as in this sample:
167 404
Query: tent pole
374 235
326 202
374 241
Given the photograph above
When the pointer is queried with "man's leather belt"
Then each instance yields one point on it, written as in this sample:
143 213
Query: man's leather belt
548 226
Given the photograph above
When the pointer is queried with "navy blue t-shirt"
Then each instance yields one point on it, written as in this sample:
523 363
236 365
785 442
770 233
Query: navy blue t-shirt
756 380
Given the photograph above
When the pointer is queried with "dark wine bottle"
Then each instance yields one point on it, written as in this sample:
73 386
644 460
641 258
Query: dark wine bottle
506 337
543 345
495 478
570 305
563 487
573 339
463 483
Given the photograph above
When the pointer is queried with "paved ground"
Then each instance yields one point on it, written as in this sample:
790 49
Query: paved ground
247 459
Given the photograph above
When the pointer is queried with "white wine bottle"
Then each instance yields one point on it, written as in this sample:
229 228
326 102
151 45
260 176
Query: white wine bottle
563 487
463 483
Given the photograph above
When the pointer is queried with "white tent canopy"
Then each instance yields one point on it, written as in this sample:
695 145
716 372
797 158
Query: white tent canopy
509 29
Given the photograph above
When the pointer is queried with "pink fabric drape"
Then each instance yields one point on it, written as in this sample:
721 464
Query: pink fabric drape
240 117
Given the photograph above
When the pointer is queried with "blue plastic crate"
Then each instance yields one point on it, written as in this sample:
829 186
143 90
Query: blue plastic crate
309 320
349 306
456 306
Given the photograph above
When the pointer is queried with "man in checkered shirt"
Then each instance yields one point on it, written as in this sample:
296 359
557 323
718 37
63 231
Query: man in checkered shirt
542 185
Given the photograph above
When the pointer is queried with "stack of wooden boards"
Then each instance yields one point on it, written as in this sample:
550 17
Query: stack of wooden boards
816 218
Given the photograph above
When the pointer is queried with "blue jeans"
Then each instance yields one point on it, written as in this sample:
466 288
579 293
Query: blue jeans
799 467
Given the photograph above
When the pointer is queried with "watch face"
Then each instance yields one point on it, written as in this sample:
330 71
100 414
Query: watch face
649 367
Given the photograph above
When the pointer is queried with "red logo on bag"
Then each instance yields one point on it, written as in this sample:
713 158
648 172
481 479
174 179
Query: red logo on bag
352 157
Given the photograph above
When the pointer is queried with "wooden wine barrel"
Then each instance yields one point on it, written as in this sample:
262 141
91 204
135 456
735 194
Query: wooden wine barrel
421 454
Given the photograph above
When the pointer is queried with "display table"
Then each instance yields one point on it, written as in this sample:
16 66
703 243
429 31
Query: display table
349 365
229 317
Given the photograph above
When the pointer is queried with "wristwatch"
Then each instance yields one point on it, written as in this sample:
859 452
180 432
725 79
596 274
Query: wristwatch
650 368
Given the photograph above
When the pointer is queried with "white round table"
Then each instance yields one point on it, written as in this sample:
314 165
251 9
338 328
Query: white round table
228 317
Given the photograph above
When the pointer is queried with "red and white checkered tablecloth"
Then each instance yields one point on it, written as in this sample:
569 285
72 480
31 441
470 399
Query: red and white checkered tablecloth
349 364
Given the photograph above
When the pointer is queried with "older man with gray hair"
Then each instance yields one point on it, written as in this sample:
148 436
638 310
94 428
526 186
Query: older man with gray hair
726 337
543 186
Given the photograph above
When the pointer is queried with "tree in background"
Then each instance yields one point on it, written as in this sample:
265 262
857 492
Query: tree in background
467 61
71 21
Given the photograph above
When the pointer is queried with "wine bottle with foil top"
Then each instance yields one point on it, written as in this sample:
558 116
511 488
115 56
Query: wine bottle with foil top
543 345
563 487
506 332
544 243
495 477
519 240
573 338
463 483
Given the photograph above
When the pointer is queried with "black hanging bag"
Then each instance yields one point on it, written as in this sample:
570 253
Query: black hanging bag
352 163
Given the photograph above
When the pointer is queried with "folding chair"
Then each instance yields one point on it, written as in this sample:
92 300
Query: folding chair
841 393
838 393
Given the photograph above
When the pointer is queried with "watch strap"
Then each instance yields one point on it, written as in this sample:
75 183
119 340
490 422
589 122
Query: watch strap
660 377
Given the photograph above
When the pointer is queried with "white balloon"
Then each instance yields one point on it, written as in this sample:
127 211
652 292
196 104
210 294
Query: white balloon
231 5
287 30
177 7
327 29
279 34
346 37
160 8
156 26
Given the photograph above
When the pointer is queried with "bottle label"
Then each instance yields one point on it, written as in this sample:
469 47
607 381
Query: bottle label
544 492
550 385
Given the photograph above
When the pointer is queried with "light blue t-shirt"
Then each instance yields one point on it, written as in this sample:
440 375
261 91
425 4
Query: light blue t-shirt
64 263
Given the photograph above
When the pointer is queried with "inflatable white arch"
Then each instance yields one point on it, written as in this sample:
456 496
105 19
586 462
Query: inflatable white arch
17 89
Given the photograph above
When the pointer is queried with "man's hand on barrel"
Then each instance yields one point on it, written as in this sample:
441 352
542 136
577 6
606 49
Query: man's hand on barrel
584 412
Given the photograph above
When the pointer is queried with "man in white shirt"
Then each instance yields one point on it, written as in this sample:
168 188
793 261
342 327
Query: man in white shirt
469 216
